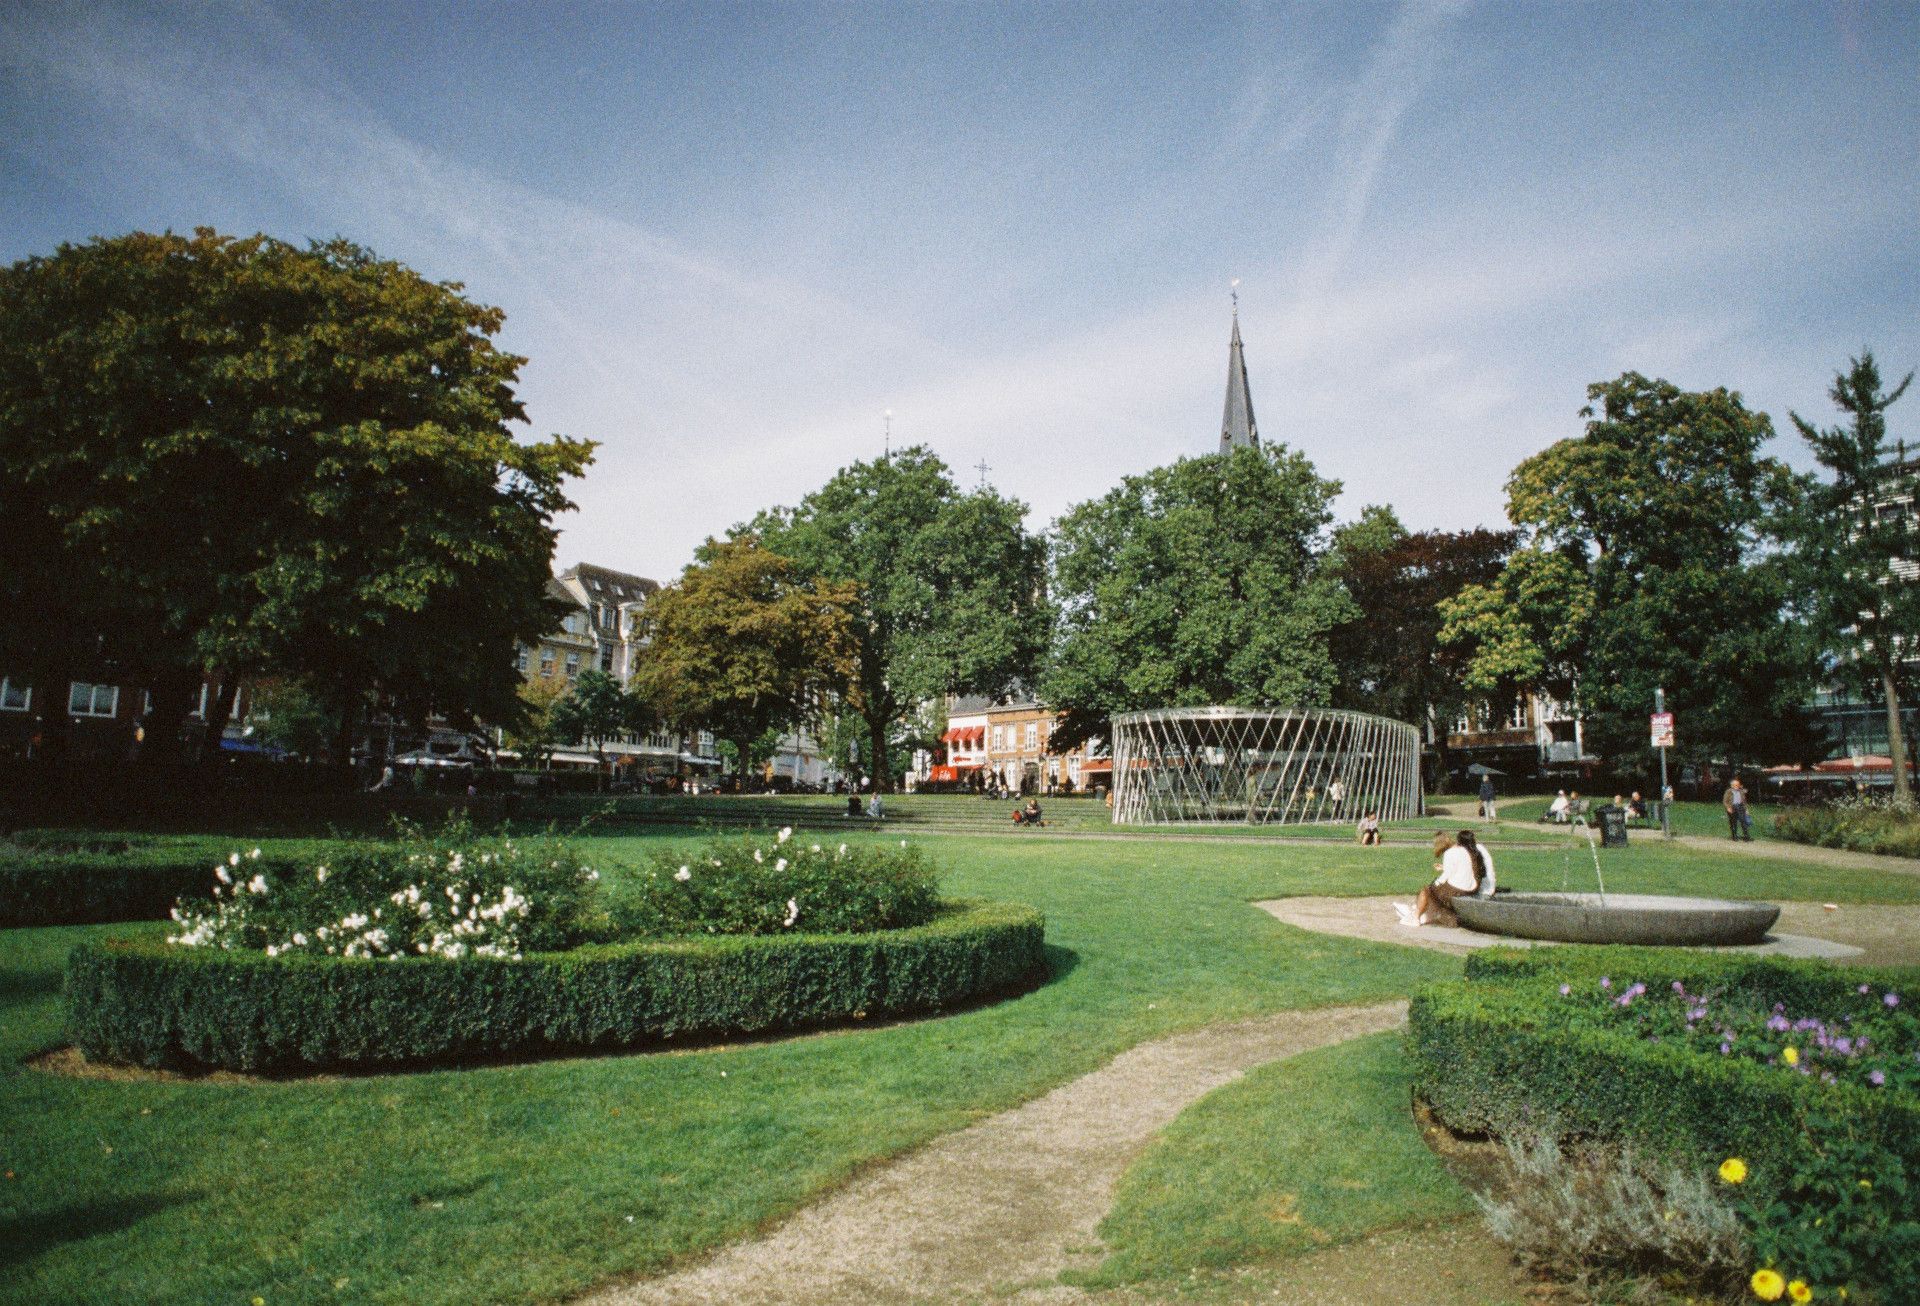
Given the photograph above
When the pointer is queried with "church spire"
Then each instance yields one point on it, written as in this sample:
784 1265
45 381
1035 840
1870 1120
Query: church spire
1237 426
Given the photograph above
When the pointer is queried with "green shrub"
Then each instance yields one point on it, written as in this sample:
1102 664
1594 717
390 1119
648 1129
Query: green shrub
447 892
154 1004
1862 825
761 885
1505 1053
53 881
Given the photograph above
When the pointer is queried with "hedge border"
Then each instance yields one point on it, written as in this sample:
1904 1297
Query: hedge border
1488 1057
46 885
147 1003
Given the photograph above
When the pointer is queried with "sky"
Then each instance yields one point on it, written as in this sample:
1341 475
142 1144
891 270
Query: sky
730 239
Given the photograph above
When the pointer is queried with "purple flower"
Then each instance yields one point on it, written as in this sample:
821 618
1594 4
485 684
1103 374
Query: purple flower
1565 989
1725 1048
1877 1078
1892 999
1863 988
1844 1046
1778 1024
1678 987
1605 982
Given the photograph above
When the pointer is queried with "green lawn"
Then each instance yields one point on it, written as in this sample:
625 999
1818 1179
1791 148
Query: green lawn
1707 819
536 1181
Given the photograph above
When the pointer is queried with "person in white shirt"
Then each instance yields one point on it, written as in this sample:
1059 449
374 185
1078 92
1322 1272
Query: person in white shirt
1558 811
1466 870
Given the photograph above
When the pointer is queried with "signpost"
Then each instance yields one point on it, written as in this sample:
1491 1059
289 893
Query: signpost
1662 730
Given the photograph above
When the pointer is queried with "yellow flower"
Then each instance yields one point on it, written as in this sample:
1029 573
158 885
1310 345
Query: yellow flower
1767 1285
1799 1291
1790 1055
1733 1170
1866 1183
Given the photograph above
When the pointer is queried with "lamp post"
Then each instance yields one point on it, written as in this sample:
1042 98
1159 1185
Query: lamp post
1666 820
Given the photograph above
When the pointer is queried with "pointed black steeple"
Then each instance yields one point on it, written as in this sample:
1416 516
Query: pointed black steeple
1237 426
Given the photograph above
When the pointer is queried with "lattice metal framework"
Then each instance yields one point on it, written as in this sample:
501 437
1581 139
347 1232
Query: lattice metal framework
1282 766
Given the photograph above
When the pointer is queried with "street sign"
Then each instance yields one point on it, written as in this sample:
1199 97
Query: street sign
1663 729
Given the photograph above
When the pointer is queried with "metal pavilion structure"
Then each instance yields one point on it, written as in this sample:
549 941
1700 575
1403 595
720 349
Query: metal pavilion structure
1258 766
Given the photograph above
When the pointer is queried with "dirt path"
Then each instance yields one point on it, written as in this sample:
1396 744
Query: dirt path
1006 1203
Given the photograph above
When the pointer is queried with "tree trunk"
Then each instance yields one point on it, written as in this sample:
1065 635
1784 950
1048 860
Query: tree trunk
173 693
219 712
882 765
1896 737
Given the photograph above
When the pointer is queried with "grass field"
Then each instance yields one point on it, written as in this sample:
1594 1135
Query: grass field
536 1181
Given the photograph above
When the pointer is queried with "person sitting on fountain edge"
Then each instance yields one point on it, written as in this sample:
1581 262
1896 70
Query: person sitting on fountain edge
1466 869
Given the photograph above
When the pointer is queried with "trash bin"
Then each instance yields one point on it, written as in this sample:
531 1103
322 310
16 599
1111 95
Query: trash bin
1613 826
853 804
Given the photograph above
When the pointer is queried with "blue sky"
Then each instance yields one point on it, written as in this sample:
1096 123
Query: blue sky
730 237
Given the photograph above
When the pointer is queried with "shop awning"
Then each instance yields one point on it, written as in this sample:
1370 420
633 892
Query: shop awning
964 735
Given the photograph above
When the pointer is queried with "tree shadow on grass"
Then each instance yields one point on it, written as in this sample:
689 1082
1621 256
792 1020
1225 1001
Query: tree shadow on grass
24 1237
21 985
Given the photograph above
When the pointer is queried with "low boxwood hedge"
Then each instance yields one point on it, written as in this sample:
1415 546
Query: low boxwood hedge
61 884
1493 1053
152 1004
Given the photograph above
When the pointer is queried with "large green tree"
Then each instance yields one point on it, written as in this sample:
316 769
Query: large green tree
243 455
1389 656
1195 584
746 644
595 709
1645 562
952 588
1857 543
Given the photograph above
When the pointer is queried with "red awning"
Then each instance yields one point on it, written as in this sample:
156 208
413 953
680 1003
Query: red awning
964 735
1096 764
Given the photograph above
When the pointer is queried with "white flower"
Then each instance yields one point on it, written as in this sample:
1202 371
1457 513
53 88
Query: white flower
233 859
793 913
816 847
903 843
254 855
843 850
221 871
272 951
683 875
321 875
300 940
780 865
757 857
258 884
454 863
786 833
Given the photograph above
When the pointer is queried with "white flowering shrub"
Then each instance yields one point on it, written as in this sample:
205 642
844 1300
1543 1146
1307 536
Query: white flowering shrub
779 885
448 893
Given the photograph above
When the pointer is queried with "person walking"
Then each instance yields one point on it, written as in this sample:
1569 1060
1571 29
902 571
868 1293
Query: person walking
1486 797
1739 818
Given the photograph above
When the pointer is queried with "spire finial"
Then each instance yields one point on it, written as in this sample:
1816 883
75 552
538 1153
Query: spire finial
983 469
1233 290
888 418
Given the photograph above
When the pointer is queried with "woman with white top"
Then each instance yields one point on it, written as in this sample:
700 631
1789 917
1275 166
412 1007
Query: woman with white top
1466 869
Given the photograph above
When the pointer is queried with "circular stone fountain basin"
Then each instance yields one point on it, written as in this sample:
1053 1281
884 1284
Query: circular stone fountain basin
1639 918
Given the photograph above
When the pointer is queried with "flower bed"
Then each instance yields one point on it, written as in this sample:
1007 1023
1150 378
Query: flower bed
442 947
47 881
1824 1129
151 1004
1866 825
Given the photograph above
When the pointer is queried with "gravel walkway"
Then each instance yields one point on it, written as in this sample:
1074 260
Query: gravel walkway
1008 1203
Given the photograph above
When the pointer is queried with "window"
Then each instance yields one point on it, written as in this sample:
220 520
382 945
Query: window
999 741
1517 719
93 700
546 662
523 660
1033 736
606 657
573 665
201 710
15 698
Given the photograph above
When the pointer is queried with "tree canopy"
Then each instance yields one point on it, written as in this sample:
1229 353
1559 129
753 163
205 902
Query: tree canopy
239 453
746 644
1195 584
1644 563
1857 541
952 588
1389 656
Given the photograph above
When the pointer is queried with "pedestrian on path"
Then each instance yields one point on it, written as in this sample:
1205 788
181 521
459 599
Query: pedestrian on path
1739 818
1486 797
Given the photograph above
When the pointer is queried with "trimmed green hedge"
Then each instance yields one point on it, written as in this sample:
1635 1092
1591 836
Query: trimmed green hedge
153 1004
1490 1054
52 884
